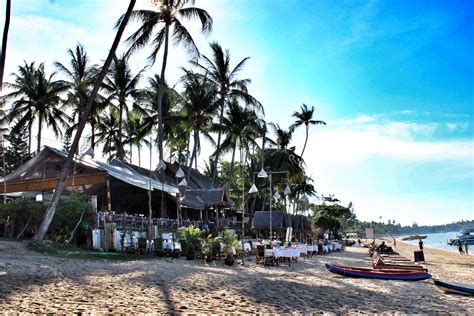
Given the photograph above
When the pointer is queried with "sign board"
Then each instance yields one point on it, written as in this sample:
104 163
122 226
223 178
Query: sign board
369 233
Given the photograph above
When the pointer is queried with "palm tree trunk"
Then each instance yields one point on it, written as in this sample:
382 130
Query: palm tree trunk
40 125
196 137
29 139
306 139
131 148
3 53
120 151
160 93
139 157
218 146
43 229
231 171
93 138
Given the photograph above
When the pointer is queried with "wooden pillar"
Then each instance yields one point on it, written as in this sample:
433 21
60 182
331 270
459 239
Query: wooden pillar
109 199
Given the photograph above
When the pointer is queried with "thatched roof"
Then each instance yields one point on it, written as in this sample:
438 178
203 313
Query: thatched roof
281 221
206 198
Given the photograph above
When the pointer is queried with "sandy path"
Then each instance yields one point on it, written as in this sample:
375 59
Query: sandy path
41 284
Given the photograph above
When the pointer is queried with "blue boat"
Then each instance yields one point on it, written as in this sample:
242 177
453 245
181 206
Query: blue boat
406 275
458 288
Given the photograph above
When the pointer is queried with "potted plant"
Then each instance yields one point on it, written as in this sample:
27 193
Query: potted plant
192 237
208 247
230 245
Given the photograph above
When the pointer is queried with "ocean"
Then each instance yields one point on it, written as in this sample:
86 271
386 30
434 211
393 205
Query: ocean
436 240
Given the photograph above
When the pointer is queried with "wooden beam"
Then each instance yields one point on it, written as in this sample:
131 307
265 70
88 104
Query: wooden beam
51 183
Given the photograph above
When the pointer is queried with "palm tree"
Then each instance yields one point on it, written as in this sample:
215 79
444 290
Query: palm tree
81 76
217 69
3 53
305 117
240 129
108 133
43 229
37 100
199 108
135 132
167 18
120 84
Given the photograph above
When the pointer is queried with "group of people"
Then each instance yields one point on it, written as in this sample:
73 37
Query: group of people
466 247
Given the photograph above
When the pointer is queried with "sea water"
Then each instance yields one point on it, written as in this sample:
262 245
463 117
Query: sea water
436 240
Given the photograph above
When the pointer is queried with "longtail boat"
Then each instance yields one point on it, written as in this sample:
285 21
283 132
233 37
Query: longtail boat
458 288
405 275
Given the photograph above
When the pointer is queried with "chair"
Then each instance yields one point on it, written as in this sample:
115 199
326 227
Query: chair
260 254
141 247
269 257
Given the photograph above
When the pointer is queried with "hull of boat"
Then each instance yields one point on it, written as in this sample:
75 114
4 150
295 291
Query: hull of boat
454 288
378 274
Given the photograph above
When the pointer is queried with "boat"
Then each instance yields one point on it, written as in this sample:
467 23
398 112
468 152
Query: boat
465 235
404 275
414 237
458 288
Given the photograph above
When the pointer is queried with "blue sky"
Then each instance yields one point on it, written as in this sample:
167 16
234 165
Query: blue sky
394 80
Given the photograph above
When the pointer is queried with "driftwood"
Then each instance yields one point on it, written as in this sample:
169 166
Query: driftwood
77 225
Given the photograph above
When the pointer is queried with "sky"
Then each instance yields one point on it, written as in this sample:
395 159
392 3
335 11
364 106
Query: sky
393 80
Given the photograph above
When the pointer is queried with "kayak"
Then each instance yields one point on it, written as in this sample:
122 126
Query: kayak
404 275
458 288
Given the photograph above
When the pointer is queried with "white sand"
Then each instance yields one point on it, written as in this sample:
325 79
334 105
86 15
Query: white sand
32 283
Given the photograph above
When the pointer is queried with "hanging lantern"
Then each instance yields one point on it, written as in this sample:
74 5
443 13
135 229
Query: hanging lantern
253 189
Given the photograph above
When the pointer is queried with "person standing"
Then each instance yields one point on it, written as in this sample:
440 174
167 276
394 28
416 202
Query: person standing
460 247
466 249
421 245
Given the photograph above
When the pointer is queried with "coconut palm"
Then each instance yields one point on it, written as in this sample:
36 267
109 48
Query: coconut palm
240 129
217 68
120 84
167 19
199 108
43 229
305 117
80 77
135 132
37 99
108 133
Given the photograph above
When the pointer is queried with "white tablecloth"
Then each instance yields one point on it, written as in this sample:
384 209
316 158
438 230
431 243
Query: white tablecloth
169 245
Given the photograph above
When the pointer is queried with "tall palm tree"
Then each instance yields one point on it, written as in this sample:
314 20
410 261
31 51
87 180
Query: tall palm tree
3 52
80 76
120 84
43 229
240 129
167 19
37 99
305 117
199 108
217 68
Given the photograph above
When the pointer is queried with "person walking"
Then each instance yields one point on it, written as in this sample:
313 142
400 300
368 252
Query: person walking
460 247
466 248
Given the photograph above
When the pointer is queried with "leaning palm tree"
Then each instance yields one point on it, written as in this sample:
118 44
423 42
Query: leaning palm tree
305 117
43 229
3 52
37 99
168 19
199 108
120 84
217 68
80 76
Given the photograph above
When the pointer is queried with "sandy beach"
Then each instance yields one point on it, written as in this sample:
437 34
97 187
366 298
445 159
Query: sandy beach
34 283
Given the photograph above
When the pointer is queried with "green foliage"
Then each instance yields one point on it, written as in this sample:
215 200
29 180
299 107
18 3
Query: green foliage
16 153
17 212
229 242
208 245
191 236
67 214
331 217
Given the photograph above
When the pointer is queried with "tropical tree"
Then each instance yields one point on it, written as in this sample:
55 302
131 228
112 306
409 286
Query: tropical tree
120 84
305 117
43 229
135 132
3 52
240 129
199 108
37 99
168 21
108 133
217 68
80 76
